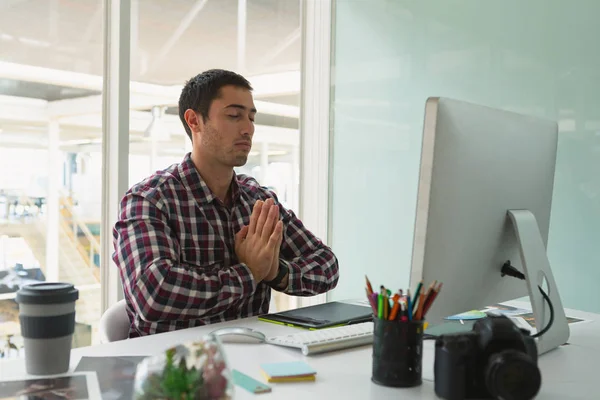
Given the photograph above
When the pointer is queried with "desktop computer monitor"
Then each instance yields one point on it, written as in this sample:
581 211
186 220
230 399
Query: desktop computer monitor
484 198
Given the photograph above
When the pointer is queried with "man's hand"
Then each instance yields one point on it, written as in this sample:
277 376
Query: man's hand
255 244
275 264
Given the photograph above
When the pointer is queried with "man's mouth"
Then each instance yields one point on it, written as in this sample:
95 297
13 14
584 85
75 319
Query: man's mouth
244 145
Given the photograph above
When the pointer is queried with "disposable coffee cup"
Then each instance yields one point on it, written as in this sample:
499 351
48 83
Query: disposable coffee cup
47 317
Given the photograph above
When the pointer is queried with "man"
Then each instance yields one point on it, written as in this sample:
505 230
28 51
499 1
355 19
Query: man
197 244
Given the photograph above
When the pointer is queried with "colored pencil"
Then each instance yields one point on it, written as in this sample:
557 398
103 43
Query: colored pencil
410 305
395 307
372 302
417 293
369 287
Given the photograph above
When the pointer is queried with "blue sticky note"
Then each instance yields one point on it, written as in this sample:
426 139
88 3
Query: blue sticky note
469 315
287 369
249 383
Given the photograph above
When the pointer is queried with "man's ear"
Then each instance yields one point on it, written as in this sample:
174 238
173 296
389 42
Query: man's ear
193 120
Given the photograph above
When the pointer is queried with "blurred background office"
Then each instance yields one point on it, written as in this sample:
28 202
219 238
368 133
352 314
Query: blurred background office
51 79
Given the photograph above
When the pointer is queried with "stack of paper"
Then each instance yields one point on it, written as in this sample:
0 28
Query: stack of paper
288 372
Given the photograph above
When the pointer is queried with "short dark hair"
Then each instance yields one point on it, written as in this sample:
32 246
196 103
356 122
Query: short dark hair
200 91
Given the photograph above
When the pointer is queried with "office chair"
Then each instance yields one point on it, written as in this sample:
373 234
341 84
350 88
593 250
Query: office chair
114 323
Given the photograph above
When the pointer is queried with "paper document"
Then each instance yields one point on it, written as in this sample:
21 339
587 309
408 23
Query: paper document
66 386
115 375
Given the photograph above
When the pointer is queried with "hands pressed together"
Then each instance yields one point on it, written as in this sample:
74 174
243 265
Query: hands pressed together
257 245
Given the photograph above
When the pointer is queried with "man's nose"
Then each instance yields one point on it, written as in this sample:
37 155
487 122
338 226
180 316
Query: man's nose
248 129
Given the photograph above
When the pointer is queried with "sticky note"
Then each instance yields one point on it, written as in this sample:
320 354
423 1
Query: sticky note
249 383
302 378
469 315
294 369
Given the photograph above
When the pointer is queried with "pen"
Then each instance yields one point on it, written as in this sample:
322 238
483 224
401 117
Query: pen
404 317
386 306
380 306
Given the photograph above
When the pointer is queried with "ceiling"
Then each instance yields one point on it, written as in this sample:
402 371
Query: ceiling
44 91
171 41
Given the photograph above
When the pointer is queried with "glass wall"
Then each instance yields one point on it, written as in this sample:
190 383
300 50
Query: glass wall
50 113
534 57
172 42
51 62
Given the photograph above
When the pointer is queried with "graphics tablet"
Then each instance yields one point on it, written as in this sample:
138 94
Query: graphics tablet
321 316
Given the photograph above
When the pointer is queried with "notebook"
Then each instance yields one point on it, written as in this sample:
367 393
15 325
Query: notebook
320 316
288 371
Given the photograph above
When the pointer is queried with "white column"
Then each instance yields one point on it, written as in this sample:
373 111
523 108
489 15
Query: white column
53 203
115 137
138 67
241 36
314 121
264 162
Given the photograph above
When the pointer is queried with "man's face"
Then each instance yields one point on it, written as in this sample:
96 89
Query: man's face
226 136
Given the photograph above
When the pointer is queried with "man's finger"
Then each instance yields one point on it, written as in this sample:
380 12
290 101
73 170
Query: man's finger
275 236
264 213
272 218
242 233
254 217
280 235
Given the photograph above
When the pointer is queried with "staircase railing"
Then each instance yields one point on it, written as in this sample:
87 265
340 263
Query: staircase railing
88 246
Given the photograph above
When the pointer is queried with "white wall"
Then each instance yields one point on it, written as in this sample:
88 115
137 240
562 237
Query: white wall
534 56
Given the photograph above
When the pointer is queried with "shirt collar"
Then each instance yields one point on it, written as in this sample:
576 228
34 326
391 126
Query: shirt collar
194 182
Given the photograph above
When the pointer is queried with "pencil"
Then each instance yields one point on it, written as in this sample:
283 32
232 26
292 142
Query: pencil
380 306
409 305
435 295
420 308
372 302
428 293
394 312
369 287
417 293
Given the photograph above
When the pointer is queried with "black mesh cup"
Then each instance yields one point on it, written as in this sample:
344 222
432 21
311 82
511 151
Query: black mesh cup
397 353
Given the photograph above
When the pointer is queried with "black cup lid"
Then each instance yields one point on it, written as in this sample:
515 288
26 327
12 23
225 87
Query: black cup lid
47 293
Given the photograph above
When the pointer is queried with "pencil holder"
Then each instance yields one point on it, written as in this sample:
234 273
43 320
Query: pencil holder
397 353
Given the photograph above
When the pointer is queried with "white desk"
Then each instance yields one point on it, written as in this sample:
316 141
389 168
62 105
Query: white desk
570 372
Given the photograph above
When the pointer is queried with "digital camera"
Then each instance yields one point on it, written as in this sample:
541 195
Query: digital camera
495 360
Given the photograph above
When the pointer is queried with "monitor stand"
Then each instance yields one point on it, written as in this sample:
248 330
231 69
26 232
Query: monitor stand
536 267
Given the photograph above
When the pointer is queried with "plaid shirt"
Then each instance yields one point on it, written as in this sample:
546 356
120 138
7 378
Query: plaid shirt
174 246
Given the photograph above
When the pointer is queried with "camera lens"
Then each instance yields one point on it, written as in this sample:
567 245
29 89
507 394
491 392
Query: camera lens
512 375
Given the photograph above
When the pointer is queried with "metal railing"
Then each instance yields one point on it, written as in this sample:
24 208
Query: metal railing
88 246
77 231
